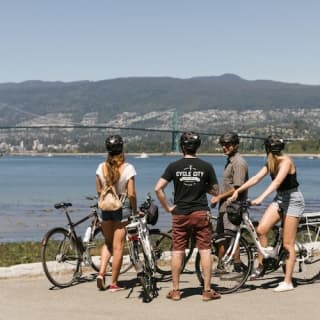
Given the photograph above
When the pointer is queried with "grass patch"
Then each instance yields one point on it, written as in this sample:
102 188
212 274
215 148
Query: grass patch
19 252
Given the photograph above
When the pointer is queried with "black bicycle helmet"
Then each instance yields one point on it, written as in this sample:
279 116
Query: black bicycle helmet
274 144
190 142
229 137
114 145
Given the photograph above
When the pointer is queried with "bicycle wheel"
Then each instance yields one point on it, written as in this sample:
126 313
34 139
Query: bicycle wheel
61 258
307 266
227 277
147 279
94 250
161 243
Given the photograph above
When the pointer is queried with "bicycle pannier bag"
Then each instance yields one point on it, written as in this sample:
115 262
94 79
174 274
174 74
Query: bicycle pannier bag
109 200
234 212
152 212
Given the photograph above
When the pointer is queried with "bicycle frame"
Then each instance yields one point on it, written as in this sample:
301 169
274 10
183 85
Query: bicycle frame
138 237
82 247
267 252
137 231
63 251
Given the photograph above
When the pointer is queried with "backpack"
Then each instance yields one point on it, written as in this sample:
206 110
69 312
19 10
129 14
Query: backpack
109 199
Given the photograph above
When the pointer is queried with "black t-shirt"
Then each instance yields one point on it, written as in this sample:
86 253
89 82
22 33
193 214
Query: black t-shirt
192 179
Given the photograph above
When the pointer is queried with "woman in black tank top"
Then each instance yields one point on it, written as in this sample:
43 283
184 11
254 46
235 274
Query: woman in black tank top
287 205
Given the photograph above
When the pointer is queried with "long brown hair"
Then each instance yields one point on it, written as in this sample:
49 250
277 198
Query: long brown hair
112 165
273 163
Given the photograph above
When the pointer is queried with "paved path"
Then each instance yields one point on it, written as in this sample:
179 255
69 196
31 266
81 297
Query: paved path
33 298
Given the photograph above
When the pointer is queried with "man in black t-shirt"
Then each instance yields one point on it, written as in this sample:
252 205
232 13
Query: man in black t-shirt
192 179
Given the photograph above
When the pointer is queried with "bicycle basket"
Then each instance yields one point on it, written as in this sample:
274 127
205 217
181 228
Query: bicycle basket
151 211
234 212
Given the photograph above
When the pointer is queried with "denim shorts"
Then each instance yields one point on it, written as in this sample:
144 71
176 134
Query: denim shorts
120 215
111 215
290 202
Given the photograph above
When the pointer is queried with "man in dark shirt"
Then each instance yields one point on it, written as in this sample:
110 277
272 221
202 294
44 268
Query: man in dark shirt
192 179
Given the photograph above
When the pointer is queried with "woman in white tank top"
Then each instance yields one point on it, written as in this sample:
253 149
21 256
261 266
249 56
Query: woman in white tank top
114 171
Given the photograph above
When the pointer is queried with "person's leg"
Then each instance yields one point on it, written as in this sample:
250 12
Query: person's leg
270 217
289 235
105 255
176 263
180 236
203 234
119 233
229 226
220 230
106 249
206 264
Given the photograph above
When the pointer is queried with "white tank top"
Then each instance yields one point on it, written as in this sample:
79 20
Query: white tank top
128 172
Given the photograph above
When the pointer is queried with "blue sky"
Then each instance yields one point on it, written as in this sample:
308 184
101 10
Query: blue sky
70 40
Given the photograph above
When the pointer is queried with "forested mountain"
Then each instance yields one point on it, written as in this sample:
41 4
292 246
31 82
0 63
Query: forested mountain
209 105
21 101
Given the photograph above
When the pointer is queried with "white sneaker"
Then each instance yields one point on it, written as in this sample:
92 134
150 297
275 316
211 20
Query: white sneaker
283 286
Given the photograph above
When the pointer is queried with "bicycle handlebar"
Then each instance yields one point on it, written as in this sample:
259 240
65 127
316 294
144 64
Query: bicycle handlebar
62 205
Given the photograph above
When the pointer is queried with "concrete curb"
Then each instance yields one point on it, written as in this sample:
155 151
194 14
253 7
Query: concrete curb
20 270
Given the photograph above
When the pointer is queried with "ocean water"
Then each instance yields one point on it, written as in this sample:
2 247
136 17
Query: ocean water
31 185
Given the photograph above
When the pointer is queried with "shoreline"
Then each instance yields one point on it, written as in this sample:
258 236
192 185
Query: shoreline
154 154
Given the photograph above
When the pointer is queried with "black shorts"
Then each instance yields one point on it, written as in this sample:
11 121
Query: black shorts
111 215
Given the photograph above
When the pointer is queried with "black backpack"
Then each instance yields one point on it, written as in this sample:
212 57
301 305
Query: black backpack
151 210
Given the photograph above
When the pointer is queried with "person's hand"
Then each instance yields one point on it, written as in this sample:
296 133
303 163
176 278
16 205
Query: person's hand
139 213
233 198
256 201
171 209
214 201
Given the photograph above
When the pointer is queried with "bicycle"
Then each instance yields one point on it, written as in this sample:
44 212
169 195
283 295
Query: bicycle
161 243
64 253
229 277
142 255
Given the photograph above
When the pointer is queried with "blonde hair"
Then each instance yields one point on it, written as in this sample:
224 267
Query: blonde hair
273 163
112 165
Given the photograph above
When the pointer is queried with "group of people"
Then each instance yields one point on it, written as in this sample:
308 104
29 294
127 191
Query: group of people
194 178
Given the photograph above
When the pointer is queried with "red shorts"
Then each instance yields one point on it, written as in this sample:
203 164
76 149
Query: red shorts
196 223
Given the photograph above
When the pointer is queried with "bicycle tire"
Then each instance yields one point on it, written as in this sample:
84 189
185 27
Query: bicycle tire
161 243
94 250
227 280
307 266
147 279
61 258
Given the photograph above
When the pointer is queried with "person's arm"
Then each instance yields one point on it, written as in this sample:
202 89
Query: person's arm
214 190
250 183
132 196
217 198
284 168
98 185
159 190
212 183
